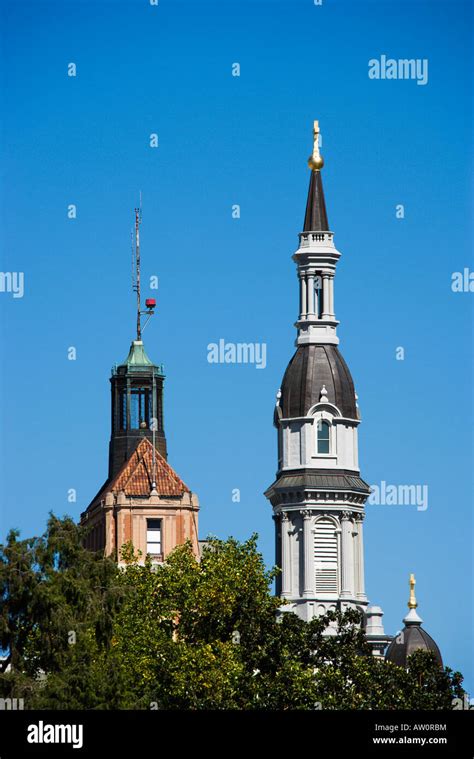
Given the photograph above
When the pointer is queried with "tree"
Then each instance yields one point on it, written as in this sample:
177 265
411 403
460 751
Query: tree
205 634
188 634
57 608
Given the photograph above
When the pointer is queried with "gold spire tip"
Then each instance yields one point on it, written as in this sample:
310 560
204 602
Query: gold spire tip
315 161
412 603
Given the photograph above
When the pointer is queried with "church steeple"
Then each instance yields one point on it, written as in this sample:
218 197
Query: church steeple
318 496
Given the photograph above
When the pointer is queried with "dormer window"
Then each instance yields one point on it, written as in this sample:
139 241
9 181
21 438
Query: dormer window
323 437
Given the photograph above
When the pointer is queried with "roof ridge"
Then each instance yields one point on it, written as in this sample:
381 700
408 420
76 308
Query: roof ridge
164 462
140 463
134 476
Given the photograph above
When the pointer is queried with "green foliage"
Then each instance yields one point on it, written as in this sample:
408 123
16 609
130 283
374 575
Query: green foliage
189 634
58 603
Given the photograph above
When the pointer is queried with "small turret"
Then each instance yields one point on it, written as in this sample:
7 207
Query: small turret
412 638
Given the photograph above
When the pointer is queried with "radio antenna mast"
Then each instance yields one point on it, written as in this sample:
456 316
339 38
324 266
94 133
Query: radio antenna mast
150 303
138 221
132 246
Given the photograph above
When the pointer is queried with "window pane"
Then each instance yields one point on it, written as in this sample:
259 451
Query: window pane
323 446
153 547
323 437
134 411
139 407
153 524
153 536
323 431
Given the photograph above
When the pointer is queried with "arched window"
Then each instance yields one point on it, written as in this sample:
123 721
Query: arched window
323 437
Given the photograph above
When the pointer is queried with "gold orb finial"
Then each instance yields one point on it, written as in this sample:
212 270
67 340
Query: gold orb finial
412 603
316 161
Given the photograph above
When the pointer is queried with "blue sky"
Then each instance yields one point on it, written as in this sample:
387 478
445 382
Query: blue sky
227 140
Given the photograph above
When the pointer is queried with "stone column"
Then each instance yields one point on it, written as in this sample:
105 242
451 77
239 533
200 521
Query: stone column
308 548
285 556
310 281
276 521
110 541
325 296
303 307
360 558
122 523
347 556
331 296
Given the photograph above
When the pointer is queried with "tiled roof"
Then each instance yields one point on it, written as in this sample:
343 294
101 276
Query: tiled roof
136 475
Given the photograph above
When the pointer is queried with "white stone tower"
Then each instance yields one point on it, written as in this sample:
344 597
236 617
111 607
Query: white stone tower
318 496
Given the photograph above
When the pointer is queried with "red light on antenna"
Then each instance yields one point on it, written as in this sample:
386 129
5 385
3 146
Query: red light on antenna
150 303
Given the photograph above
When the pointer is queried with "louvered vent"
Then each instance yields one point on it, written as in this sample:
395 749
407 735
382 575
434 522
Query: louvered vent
325 557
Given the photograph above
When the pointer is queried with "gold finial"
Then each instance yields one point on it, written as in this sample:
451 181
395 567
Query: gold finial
412 604
316 161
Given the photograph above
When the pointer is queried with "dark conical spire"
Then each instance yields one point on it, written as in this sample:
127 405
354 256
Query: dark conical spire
316 218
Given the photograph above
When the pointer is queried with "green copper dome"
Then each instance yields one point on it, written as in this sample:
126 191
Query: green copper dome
137 355
138 363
